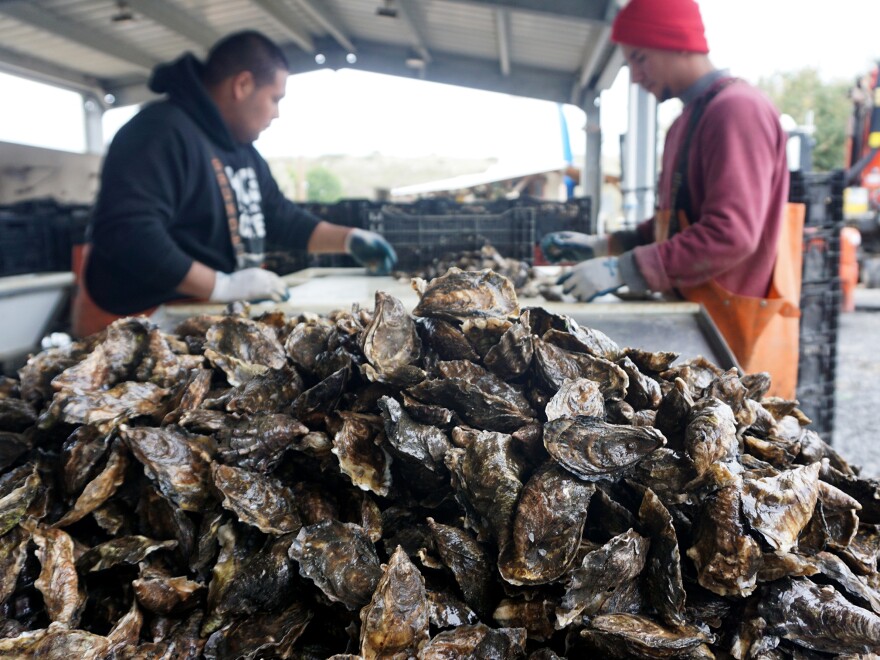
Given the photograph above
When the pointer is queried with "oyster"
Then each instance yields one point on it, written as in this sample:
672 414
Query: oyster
555 365
710 439
58 582
663 564
727 558
391 343
602 572
178 462
306 342
780 507
460 295
243 349
592 449
395 623
487 480
469 562
340 559
365 463
101 488
576 397
18 489
476 641
122 550
636 636
547 527
819 618
257 500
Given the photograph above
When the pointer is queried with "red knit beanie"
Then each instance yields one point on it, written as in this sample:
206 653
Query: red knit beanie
661 24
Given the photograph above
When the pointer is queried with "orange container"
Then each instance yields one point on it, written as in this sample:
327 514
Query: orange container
850 239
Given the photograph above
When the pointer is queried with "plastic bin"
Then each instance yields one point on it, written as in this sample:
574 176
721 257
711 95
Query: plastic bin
38 236
420 239
821 255
822 193
820 308
817 361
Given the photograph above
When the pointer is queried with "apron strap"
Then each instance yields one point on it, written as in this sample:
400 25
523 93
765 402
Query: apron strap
231 209
680 198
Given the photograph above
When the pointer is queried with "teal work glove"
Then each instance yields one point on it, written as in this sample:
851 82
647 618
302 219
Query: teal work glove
592 278
573 246
371 251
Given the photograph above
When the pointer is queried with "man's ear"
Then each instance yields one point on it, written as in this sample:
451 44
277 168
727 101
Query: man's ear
242 85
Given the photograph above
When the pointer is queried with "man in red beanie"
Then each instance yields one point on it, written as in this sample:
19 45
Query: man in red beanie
722 199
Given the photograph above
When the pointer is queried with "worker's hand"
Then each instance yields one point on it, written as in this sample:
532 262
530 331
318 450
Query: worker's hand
592 278
248 284
573 246
371 251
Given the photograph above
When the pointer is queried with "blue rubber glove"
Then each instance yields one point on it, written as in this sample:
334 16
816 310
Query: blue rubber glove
371 251
592 278
573 246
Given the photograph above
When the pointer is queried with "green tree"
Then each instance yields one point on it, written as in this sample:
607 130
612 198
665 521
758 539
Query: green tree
323 185
798 92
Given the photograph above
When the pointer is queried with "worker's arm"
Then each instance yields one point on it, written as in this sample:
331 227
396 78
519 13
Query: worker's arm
198 282
328 238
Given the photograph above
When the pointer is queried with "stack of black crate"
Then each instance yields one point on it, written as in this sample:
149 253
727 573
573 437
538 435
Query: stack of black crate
822 193
38 235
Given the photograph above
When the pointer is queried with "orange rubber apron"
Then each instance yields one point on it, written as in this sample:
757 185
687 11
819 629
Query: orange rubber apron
761 332
86 318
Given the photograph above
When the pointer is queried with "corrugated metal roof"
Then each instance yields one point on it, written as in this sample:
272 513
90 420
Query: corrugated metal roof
550 49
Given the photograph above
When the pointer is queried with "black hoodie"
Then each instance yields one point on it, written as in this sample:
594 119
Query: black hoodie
160 205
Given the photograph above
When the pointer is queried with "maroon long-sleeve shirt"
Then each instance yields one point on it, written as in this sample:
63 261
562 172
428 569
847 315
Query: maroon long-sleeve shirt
738 182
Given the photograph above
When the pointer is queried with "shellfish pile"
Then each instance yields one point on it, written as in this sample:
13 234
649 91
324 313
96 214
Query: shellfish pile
471 479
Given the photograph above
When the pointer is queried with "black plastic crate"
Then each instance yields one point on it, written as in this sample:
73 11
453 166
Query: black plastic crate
420 239
25 245
38 236
821 255
817 361
572 215
820 308
817 403
822 194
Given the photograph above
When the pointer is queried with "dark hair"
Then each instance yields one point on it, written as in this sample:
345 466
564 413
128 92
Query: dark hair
248 50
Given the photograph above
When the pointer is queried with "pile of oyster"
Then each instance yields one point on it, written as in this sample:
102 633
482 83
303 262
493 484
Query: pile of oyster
472 480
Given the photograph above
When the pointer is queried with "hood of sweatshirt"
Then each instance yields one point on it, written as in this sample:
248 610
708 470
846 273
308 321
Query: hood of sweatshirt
181 80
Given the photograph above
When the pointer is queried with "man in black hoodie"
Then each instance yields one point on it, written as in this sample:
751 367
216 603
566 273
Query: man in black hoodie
186 202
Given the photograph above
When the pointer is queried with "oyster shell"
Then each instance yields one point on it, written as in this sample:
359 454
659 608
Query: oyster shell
340 559
727 558
592 449
391 343
395 623
257 500
547 527
460 295
819 618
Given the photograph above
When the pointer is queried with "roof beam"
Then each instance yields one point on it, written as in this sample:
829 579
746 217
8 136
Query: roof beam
39 17
585 10
407 15
35 68
447 68
502 28
594 53
321 18
175 19
282 13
